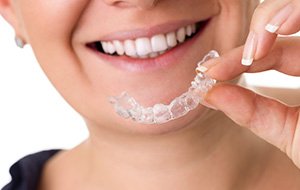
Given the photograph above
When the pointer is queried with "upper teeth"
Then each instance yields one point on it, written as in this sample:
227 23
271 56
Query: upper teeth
149 47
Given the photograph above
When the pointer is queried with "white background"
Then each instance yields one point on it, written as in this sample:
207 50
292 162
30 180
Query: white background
34 117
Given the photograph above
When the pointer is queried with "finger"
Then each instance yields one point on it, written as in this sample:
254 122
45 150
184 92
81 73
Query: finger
285 21
284 57
280 16
267 118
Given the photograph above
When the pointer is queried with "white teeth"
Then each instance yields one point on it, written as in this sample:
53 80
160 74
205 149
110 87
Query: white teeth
104 47
154 54
189 31
181 35
171 39
159 43
119 47
110 48
143 46
129 46
149 47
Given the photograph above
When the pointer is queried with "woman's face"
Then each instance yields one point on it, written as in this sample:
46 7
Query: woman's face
64 34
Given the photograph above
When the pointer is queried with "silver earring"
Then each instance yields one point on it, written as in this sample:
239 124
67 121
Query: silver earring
19 42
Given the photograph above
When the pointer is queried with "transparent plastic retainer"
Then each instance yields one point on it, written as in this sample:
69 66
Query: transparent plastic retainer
127 107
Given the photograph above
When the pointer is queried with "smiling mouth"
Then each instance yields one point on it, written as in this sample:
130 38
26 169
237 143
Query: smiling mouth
148 47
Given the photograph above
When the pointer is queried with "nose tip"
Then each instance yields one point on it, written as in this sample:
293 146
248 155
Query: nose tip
142 4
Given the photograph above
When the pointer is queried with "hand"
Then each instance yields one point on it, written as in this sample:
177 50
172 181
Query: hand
271 120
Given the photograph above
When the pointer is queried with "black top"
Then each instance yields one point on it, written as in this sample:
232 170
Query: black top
26 172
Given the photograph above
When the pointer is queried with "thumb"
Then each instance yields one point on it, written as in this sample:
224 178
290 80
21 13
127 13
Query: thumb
267 118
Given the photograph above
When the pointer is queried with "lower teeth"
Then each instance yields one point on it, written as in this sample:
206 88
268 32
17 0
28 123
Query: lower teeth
127 107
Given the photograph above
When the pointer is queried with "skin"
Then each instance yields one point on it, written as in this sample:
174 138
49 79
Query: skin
280 55
202 150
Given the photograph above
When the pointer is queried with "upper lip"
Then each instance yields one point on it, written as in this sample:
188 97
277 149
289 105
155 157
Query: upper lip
146 32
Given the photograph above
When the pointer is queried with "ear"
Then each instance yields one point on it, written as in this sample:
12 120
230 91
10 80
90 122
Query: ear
8 12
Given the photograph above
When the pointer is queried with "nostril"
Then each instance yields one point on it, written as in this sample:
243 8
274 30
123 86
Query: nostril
123 4
118 3
143 4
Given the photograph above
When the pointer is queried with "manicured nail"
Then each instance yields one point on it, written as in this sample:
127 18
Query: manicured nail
271 28
279 19
204 103
249 49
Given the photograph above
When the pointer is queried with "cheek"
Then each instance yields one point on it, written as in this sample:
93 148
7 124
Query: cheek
49 26
233 23
53 19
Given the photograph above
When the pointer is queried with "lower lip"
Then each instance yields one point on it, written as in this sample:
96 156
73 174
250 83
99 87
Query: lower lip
149 64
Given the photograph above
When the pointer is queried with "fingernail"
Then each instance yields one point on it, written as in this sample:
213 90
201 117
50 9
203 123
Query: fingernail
204 103
249 49
271 28
203 68
279 19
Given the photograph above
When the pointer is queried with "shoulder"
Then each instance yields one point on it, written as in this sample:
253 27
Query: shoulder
66 166
26 172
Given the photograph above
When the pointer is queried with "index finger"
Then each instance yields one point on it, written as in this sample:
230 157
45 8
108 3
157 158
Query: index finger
284 57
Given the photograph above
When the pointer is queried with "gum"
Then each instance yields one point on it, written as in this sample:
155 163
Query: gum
127 107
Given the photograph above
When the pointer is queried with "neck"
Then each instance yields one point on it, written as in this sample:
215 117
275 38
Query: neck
194 155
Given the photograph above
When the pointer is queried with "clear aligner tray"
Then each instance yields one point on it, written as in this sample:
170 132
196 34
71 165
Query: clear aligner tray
127 107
